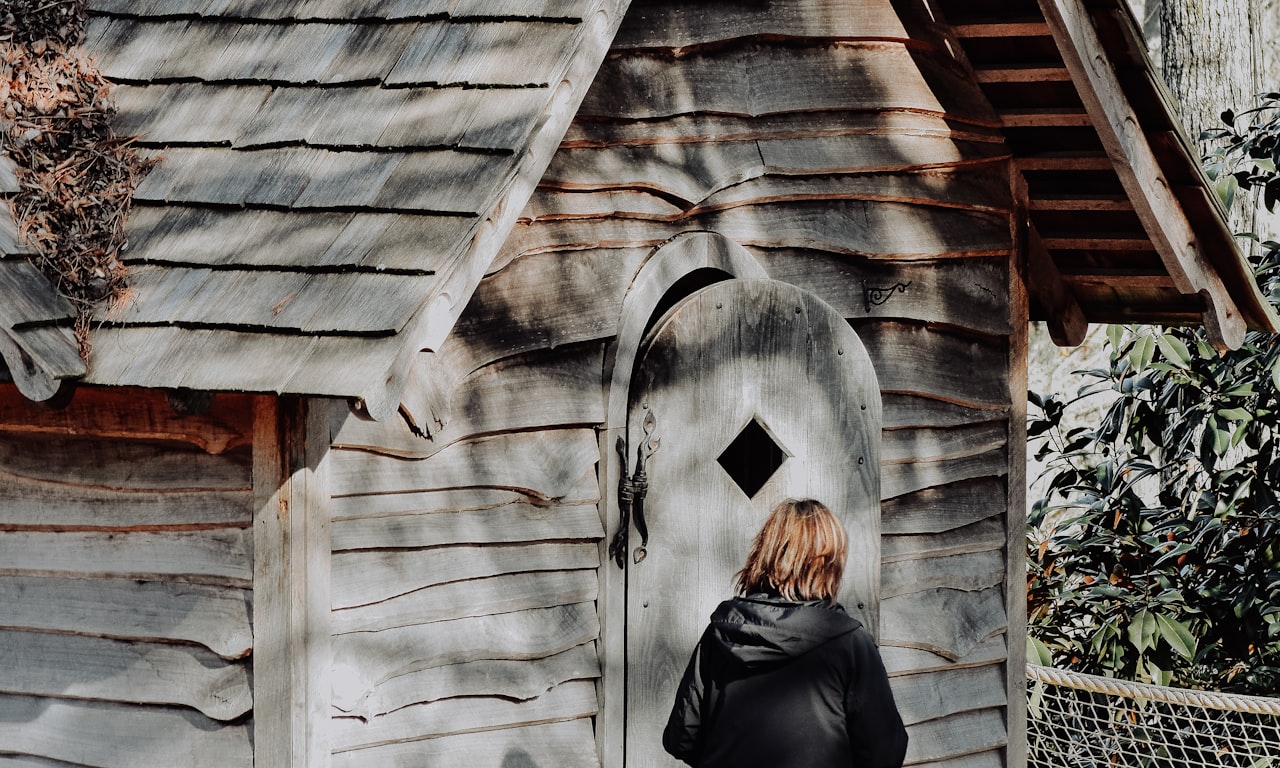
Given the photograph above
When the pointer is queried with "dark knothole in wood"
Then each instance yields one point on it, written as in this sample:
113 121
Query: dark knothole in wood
189 402
752 457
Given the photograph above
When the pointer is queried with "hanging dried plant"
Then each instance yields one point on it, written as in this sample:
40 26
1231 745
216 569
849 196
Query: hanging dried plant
76 176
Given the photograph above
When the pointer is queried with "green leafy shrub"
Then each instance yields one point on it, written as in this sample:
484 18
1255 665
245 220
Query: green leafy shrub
1154 554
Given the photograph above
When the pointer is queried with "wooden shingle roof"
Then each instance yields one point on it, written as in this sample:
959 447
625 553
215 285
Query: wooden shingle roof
334 176
37 344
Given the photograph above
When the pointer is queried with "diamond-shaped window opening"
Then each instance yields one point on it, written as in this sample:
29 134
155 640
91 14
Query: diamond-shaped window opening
752 457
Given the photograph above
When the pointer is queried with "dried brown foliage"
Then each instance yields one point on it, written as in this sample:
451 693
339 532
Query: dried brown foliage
76 175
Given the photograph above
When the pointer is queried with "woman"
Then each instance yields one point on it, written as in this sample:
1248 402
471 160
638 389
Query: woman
783 677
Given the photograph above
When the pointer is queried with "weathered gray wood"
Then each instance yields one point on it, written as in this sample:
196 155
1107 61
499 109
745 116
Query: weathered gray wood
852 227
364 660
365 577
956 736
970 571
107 463
1016 565
904 446
544 464
994 758
20 761
982 536
944 507
901 479
931 696
903 410
294 239
215 617
566 744
702 169
549 204
677 25
137 415
47 504
216 556
965 184
504 678
426 502
474 597
761 78
40 358
792 362
511 523
948 622
396 117
913 661
291 580
915 359
967 293
121 736
366 303
564 702
679 129
513 54
68 666
538 301
544 390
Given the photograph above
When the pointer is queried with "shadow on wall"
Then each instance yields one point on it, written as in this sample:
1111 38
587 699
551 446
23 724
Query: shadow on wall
518 758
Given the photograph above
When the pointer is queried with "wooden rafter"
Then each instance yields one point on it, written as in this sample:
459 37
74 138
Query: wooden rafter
1140 172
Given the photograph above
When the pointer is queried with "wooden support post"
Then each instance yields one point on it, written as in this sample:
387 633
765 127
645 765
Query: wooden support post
1063 315
291 573
1016 489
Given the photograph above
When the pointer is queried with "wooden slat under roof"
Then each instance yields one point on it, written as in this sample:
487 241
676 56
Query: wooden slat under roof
1124 226
335 175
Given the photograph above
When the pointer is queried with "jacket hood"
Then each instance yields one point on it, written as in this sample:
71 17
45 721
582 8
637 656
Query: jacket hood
760 630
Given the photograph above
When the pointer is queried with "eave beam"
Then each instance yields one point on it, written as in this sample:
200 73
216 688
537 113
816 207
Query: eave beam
1139 170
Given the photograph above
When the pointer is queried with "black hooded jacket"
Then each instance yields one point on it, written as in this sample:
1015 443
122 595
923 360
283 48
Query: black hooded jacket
786 685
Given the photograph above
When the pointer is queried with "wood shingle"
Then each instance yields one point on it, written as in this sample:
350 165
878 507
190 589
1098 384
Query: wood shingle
326 171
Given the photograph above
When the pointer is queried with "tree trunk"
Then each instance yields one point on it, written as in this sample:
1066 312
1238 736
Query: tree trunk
1210 56
1266 17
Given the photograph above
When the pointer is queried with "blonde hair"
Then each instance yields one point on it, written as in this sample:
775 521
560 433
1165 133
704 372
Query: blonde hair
799 553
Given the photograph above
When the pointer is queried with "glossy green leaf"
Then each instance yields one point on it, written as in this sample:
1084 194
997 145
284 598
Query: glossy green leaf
1176 634
1038 652
1174 350
1142 630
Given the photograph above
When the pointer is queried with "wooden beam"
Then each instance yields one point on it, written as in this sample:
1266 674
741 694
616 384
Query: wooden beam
1056 117
1030 74
1043 203
1064 163
1097 243
1112 277
1121 131
1012 28
1066 321
291 575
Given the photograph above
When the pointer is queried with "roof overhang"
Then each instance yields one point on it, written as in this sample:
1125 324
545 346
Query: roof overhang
1123 226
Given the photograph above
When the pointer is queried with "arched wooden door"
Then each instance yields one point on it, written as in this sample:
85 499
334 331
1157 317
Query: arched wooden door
759 391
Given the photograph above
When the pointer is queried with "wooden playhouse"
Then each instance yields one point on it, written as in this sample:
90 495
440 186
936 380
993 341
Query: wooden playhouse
416 285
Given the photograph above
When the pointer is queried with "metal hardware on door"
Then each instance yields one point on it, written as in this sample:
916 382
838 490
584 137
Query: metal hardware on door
631 492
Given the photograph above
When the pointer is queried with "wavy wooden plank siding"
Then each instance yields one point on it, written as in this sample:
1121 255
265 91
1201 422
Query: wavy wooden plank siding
126 572
466 542
890 199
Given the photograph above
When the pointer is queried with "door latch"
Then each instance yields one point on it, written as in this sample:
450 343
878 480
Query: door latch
631 492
